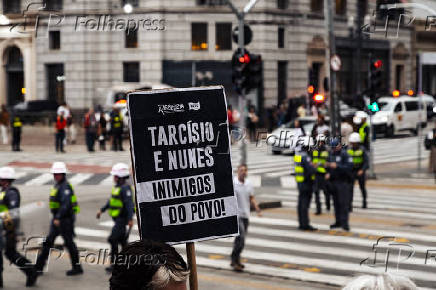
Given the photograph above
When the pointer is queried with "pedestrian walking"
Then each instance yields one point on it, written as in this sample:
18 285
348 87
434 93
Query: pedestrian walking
340 181
360 165
91 127
64 207
10 202
245 196
16 132
320 127
305 177
121 208
320 155
4 125
117 130
61 123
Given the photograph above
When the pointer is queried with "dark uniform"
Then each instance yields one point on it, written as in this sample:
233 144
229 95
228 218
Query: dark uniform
10 200
304 176
340 185
319 158
360 162
121 209
16 133
117 131
364 135
64 207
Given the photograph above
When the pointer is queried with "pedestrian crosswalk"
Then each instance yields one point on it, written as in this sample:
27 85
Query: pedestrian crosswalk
275 247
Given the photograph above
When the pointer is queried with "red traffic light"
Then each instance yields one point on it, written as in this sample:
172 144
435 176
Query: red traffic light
310 89
244 59
378 64
319 98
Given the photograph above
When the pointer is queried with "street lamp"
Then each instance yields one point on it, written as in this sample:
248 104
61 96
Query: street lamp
128 8
4 20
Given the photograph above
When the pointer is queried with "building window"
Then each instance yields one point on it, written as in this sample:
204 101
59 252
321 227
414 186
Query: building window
131 72
341 7
399 77
55 82
362 8
11 6
131 38
282 81
317 6
282 4
53 4
55 40
199 36
134 3
281 37
211 2
223 36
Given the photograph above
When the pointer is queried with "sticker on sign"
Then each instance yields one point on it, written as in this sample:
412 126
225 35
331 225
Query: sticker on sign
184 186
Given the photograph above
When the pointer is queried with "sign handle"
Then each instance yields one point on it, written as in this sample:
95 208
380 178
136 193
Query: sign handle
190 253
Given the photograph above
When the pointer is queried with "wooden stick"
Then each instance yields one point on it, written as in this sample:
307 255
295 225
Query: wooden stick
192 263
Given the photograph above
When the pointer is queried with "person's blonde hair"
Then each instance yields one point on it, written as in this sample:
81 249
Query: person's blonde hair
381 282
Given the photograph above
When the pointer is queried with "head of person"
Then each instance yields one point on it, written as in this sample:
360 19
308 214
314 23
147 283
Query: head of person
386 281
296 124
242 172
229 107
150 266
59 171
7 176
4 109
320 120
335 144
120 172
91 110
252 109
354 140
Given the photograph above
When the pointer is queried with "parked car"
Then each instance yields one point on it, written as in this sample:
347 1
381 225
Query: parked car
287 138
36 106
397 115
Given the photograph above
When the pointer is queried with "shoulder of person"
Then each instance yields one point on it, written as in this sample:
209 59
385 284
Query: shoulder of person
127 189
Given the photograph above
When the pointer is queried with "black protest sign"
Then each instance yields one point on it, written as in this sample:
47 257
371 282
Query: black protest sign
183 172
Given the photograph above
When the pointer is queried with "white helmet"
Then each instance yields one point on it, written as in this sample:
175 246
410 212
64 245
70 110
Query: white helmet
120 170
357 120
7 173
361 115
58 168
354 138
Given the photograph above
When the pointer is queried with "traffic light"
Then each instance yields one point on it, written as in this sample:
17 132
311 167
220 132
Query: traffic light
255 72
241 70
373 107
376 77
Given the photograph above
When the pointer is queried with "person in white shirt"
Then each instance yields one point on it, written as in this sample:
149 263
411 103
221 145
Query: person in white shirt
245 196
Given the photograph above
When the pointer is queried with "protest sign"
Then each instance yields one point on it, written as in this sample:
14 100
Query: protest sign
181 157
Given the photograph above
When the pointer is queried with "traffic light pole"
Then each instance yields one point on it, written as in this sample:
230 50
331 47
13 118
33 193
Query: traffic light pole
241 99
335 127
371 131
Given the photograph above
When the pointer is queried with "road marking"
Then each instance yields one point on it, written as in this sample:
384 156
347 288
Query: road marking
79 178
40 180
107 181
288 181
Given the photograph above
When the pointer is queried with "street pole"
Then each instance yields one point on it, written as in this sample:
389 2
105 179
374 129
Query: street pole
241 99
419 67
328 11
371 132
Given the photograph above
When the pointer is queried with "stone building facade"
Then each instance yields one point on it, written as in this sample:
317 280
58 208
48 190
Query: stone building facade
75 54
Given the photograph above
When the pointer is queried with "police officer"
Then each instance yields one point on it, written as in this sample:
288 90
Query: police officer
10 203
340 182
117 129
16 132
64 207
362 128
304 176
360 165
319 158
121 209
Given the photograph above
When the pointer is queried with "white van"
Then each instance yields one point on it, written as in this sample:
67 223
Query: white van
398 114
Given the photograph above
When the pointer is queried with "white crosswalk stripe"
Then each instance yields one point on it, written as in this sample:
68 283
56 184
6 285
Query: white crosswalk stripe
40 180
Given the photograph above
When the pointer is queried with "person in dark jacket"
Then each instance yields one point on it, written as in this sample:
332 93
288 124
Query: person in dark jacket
64 207
340 183
121 208
10 204
17 125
